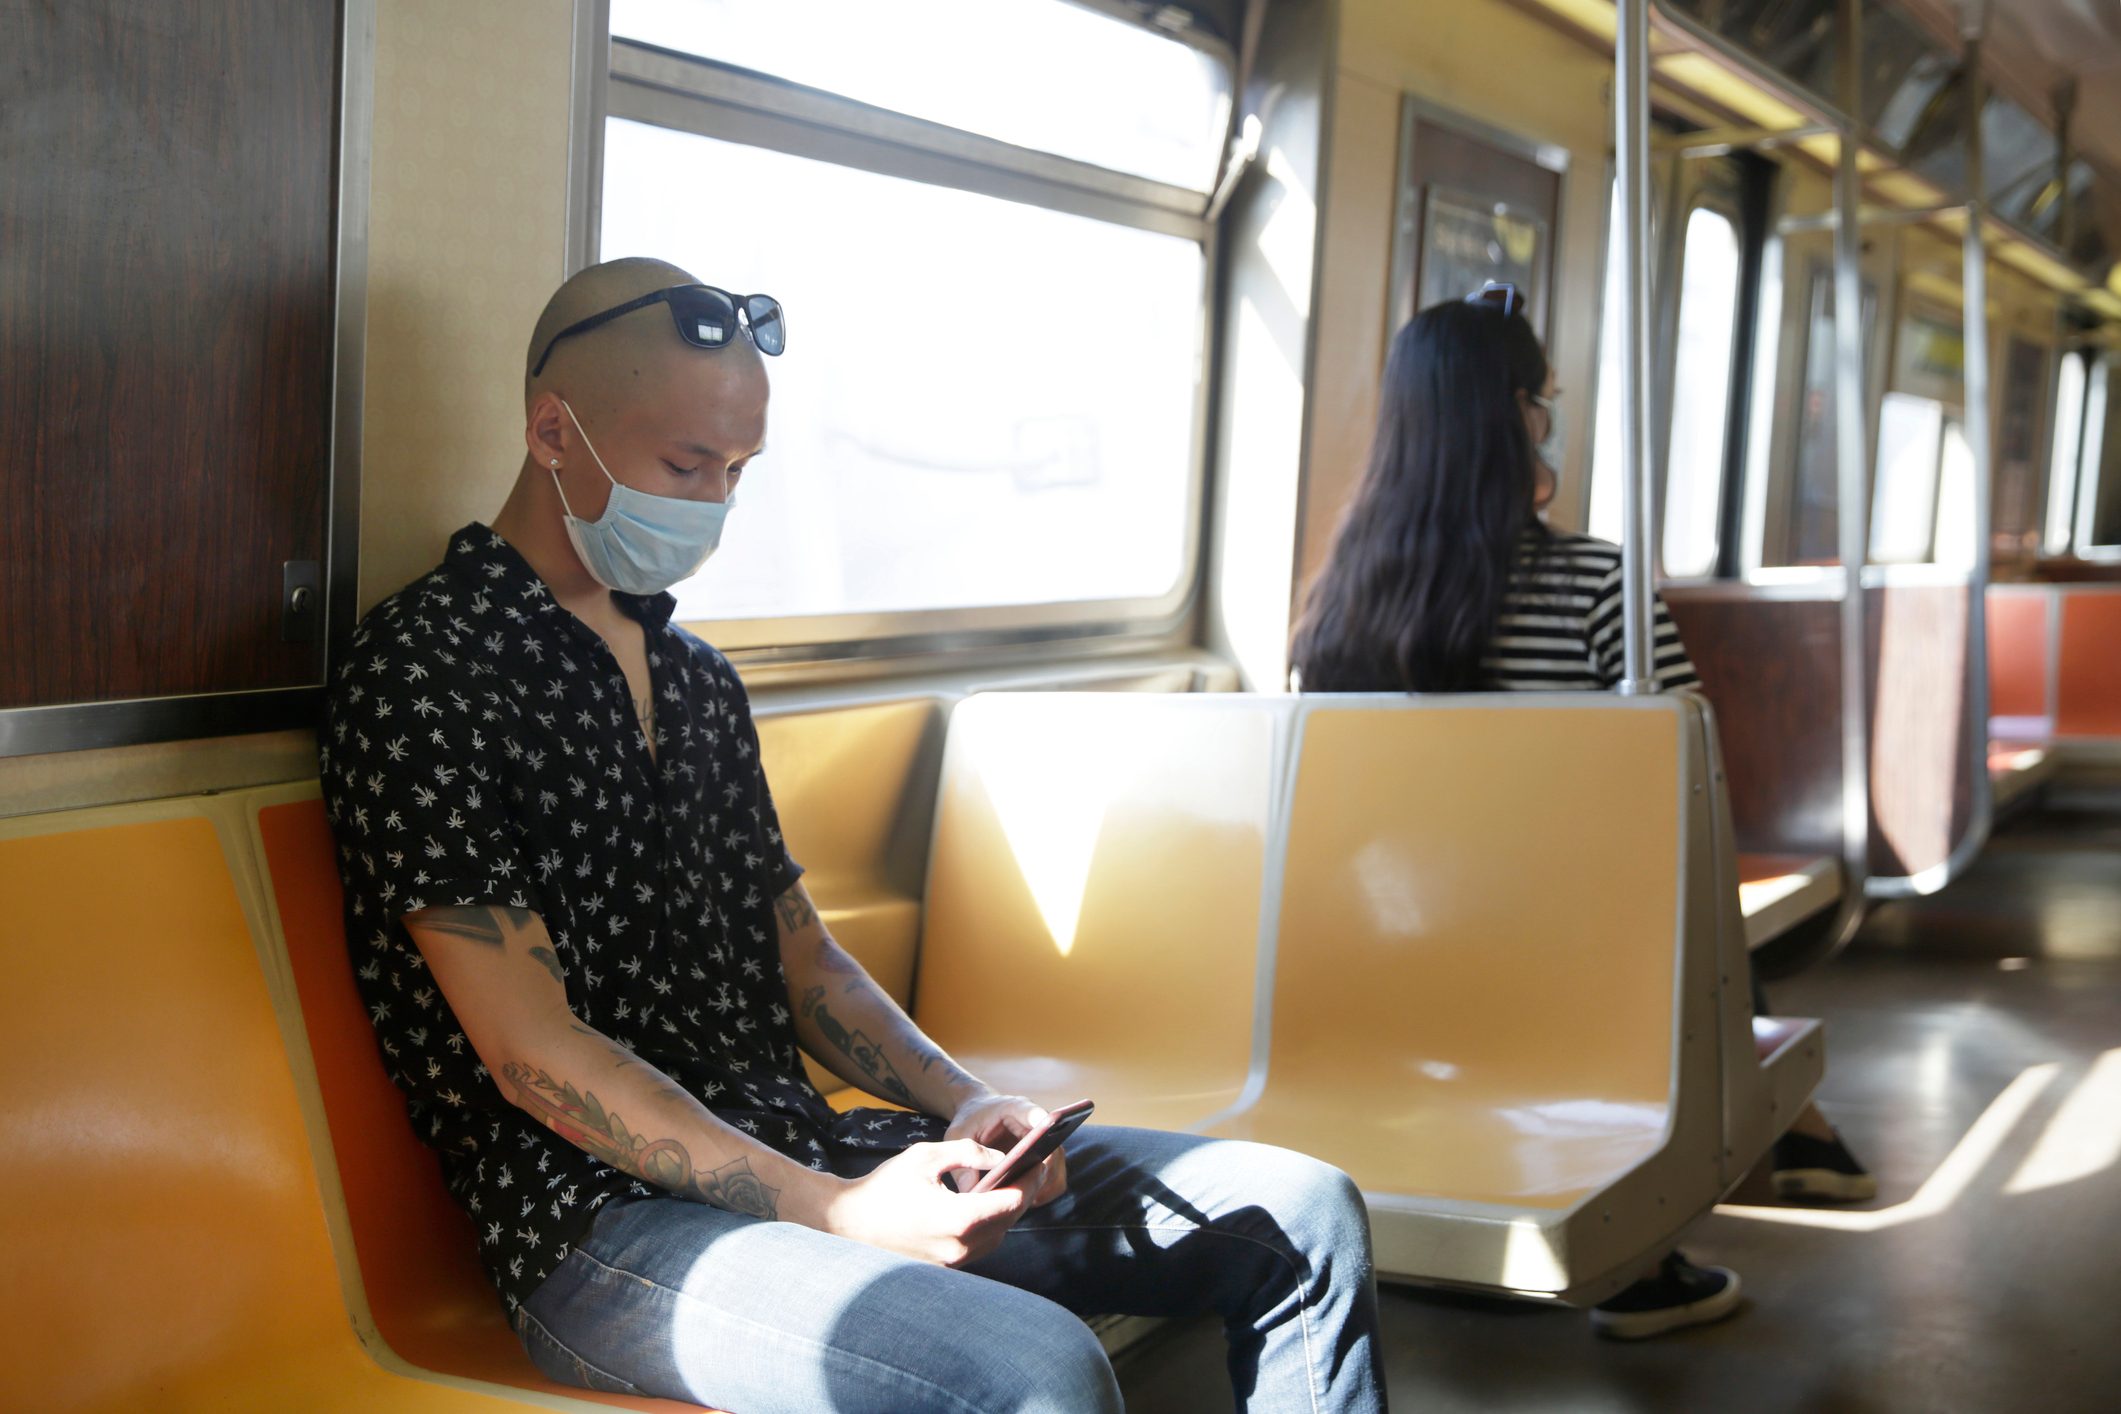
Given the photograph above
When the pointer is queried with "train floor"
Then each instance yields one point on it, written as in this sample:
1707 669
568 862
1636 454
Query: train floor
1974 1043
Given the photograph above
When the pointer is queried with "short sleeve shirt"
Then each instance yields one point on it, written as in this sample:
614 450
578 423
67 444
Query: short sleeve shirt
481 747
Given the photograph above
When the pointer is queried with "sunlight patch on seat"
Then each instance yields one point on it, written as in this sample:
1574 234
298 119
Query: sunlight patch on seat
1051 807
1529 1262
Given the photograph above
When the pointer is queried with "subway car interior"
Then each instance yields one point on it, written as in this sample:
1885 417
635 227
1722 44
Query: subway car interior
1787 965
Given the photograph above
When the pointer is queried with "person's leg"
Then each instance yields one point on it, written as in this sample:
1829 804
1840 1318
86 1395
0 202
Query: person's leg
1813 1163
684 1301
1276 1243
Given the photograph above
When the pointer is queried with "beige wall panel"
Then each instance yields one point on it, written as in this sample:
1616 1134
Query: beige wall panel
1354 279
1497 65
467 223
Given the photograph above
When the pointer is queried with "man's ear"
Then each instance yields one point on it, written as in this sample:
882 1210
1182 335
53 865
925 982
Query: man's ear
544 429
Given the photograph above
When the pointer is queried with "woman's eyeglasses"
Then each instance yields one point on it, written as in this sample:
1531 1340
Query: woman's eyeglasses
706 318
1500 294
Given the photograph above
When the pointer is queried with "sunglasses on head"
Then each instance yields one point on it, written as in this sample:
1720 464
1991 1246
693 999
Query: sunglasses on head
706 318
1499 294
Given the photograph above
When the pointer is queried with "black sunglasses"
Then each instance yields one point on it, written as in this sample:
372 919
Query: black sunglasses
1501 294
707 318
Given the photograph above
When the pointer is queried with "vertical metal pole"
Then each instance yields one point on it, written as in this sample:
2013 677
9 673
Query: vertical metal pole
1631 128
1852 457
1975 334
2065 155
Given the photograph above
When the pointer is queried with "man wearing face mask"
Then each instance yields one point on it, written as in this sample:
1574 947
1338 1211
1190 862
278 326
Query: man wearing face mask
590 962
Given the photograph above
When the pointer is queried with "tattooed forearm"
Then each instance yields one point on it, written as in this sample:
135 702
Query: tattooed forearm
795 909
953 1073
488 924
576 1116
867 1055
551 963
831 957
622 1058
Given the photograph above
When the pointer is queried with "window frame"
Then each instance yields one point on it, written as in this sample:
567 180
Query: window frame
688 93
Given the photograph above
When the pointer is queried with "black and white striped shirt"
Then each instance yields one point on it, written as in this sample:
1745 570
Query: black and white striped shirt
1560 628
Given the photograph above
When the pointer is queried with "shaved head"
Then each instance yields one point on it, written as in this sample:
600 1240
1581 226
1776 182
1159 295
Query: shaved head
615 362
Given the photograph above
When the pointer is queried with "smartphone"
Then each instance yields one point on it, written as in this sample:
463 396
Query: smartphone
1034 1148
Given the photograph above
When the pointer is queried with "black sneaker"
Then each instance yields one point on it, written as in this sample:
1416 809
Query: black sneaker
1680 1295
1809 1170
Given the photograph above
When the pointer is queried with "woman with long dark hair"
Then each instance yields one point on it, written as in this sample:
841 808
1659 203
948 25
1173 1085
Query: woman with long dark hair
1444 578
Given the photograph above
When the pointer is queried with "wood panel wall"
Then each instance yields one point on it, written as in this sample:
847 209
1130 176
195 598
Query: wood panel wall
1921 767
167 192
1772 670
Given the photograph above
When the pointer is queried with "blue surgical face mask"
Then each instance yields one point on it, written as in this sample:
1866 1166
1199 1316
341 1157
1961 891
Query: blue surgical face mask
642 544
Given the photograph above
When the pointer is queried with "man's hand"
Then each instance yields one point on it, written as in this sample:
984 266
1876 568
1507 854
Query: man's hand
903 1206
998 1121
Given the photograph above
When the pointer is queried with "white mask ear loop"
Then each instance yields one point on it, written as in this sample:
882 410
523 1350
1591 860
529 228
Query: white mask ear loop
555 471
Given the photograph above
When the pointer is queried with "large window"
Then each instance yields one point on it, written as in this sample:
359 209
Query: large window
1709 298
1711 273
2064 459
1157 108
990 395
1814 519
982 402
2099 476
1904 494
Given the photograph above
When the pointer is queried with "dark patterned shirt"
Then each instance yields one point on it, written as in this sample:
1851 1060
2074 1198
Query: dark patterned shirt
481 747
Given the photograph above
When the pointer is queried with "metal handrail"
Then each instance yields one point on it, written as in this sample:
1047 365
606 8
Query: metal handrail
1852 475
1974 334
1631 141
1852 439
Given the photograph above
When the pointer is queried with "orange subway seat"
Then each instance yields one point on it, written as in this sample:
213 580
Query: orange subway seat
417 1251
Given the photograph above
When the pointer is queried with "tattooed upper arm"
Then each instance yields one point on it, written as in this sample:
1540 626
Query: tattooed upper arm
497 968
795 909
488 924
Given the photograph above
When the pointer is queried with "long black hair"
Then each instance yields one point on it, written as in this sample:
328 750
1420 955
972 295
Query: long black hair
1411 592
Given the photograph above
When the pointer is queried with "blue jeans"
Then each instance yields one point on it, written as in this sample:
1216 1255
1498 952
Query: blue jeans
673 1298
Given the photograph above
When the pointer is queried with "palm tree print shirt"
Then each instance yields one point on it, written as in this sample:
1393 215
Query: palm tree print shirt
481 748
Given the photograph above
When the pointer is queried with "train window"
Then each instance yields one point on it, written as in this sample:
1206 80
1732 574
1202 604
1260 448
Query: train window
987 423
1709 298
1605 515
941 436
2099 478
1954 543
2021 426
1814 520
2063 457
1904 495
1160 108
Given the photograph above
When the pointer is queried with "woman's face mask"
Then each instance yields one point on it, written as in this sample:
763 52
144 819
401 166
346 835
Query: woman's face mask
641 544
1542 421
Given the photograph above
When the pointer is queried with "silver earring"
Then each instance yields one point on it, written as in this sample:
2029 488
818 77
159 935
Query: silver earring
556 463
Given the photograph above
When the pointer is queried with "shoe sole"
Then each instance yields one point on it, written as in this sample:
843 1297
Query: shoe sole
1642 1325
1824 1186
